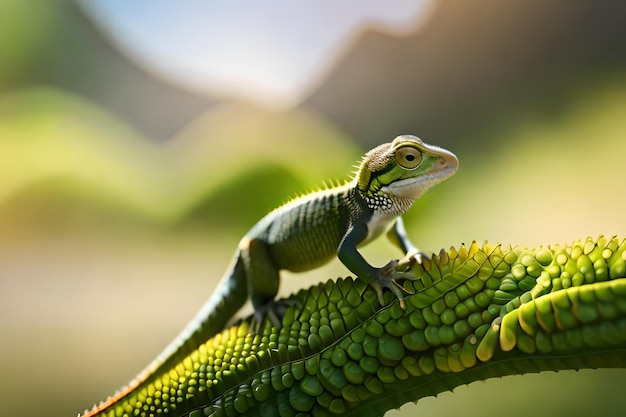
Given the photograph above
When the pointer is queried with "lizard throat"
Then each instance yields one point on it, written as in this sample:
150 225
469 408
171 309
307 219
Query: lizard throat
386 204
397 197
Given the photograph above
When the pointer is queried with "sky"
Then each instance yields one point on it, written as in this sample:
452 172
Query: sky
270 52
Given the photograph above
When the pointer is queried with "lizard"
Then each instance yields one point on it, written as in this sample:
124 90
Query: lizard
310 230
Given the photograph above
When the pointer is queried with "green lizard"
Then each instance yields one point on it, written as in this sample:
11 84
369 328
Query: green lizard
308 231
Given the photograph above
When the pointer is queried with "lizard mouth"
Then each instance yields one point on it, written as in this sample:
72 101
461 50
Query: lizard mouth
422 182
414 187
429 179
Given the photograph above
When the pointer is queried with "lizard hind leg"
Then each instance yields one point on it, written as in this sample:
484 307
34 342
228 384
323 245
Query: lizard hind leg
263 279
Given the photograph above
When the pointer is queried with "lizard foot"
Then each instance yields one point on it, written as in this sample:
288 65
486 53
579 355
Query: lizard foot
387 277
274 310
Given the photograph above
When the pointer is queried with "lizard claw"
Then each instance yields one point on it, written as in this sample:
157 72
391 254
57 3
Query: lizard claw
274 310
412 258
388 277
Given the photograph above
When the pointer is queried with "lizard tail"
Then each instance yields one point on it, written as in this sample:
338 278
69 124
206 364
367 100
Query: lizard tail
229 296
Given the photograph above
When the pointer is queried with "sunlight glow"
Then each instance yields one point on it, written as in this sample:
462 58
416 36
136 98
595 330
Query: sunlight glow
270 52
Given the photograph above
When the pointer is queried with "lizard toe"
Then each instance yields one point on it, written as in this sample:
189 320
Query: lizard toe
274 311
412 258
388 277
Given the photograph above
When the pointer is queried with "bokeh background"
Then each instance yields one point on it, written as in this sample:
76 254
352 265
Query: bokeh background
140 140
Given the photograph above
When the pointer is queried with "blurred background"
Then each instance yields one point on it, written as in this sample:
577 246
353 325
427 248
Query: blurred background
140 140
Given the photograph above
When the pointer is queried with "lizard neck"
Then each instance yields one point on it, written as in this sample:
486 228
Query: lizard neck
380 203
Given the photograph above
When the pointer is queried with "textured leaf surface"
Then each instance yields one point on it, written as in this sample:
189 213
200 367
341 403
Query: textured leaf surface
477 312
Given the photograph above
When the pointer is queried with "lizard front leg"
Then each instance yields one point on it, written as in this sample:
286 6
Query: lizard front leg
412 255
379 278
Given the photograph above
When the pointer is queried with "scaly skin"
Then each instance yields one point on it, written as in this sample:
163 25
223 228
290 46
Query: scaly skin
477 312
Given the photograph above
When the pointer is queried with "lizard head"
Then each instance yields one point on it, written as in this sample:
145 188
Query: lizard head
404 168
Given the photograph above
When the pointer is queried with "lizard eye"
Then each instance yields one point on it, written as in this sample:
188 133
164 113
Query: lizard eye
408 157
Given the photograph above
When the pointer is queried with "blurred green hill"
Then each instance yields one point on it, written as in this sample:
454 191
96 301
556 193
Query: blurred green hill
60 151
